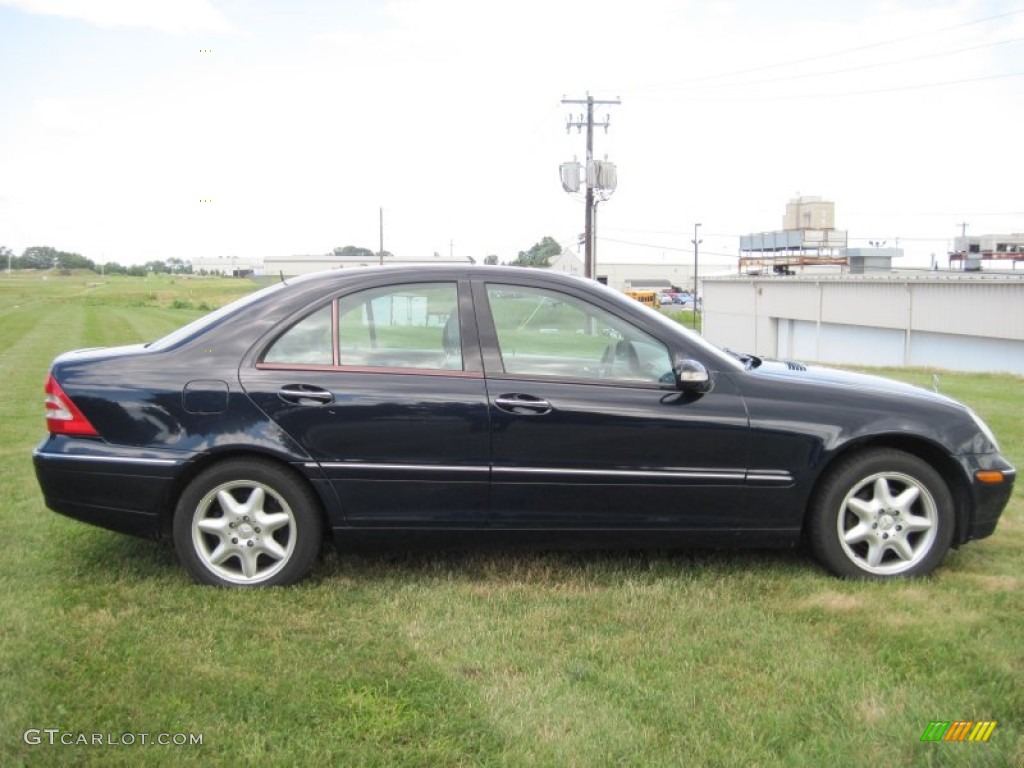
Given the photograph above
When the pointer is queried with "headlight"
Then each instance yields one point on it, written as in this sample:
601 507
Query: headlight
984 428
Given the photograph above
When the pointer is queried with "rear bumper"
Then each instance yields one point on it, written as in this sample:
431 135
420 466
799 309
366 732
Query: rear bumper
123 493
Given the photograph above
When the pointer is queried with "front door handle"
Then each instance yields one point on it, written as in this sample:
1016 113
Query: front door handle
304 394
523 405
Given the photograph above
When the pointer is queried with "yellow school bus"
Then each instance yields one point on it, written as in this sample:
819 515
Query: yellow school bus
650 298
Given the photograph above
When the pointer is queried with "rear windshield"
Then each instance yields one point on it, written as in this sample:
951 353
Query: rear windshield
200 324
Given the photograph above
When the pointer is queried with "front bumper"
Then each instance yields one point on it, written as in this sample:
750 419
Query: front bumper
988 499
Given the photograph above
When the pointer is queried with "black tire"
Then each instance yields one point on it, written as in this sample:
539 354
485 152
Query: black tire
247 523
881 514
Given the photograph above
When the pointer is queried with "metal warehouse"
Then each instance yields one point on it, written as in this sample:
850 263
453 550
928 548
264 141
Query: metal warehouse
958 321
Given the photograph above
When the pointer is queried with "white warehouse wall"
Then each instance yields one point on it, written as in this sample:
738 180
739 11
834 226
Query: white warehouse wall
956 321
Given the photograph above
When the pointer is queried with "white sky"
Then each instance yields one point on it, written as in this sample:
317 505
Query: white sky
305 117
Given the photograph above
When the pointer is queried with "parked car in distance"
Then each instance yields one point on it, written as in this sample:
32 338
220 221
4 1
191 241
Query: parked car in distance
498 405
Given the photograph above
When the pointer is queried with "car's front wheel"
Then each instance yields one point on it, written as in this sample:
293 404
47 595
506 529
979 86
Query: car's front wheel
879 514
247 523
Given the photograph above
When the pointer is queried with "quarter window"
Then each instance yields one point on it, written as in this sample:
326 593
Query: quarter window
547 333
308 342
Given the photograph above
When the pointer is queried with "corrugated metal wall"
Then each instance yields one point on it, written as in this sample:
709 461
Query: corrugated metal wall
960 322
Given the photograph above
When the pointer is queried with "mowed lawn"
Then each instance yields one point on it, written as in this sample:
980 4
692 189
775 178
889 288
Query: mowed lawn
546 659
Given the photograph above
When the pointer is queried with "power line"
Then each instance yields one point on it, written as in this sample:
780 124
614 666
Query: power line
955 214
865 92
820 56
874 65
666 247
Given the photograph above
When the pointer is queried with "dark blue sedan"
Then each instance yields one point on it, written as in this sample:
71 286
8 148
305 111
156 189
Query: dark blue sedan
515 406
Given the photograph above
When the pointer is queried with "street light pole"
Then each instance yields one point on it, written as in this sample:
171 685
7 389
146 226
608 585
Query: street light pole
696 243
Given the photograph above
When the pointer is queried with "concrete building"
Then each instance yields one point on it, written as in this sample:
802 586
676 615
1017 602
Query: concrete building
970 252
228 265
809 212
625 276
808 238
864 261
953 320
567 263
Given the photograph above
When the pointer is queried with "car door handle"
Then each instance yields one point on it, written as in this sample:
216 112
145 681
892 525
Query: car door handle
304 394
523 405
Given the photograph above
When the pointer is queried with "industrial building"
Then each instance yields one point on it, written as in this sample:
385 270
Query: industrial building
953 320
627 276
808 238
969 252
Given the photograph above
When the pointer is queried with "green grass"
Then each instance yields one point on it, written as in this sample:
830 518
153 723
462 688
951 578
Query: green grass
549 659
683 316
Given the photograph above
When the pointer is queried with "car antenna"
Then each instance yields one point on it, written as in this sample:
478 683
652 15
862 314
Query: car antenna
935 382
281 273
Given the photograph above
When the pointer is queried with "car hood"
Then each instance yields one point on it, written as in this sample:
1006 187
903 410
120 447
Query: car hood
839 378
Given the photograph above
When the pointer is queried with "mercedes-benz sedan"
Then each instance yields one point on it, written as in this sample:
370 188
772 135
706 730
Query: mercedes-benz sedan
515 406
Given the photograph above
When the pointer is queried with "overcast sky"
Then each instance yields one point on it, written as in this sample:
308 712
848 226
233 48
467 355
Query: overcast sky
297 121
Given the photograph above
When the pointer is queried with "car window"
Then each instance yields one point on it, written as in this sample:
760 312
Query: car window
404 326
547 333
308 342
201 324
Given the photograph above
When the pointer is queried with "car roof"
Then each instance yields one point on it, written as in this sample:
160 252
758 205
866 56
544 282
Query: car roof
469 270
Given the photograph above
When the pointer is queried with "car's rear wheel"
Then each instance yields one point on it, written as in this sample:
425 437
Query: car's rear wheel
880 514
247 523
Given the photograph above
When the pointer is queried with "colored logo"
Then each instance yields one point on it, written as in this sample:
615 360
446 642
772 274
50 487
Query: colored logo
958 730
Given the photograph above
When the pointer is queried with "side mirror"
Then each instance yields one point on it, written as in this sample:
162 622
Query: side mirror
691 376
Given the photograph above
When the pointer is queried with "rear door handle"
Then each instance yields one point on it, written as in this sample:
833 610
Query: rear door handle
523 405
304 394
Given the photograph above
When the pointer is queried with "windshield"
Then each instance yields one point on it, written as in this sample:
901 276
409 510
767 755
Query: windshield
202 323
695 338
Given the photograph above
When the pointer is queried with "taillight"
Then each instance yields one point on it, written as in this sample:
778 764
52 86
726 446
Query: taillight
62 415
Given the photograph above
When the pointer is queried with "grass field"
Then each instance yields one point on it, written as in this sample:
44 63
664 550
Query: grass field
549 659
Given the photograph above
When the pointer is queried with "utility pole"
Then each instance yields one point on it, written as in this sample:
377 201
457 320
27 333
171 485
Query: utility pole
963 254
588 123
696 243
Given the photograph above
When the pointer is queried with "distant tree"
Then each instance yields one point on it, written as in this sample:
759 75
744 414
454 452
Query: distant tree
47 257
39 257
540 254
178 266
355 252
492 259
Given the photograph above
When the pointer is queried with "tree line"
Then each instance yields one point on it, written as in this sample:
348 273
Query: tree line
46 257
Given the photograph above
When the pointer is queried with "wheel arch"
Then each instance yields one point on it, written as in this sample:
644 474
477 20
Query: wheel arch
207 460
944 463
